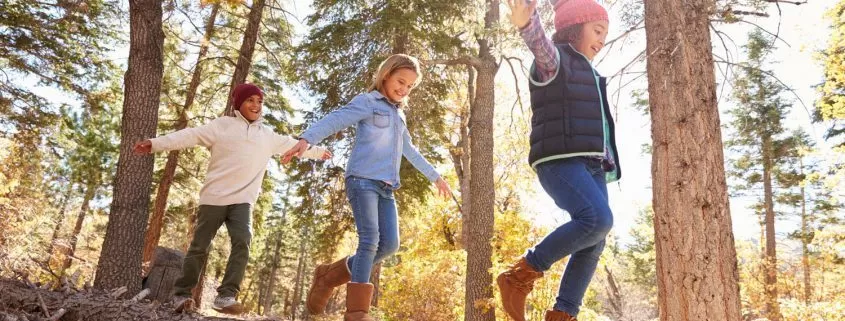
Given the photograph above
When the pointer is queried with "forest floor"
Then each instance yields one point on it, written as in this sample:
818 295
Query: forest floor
21 300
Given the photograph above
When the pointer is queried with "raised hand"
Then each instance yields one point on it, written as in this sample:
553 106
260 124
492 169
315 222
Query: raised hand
521 11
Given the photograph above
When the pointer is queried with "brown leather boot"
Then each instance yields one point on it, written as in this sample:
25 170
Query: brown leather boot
358 298
514 286
555 315
326 278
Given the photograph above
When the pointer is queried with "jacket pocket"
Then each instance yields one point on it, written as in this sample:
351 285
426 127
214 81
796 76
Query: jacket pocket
381 118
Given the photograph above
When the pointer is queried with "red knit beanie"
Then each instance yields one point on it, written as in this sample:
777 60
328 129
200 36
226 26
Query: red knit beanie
242 92
573 12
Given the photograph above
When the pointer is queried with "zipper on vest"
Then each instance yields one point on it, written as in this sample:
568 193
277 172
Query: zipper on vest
601 104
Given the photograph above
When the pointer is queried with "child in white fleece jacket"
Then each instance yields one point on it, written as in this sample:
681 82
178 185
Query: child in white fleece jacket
240 148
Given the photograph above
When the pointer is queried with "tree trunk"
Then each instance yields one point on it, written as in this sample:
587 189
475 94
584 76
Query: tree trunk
805 243
697 275
60 220
613 295
196 292
770 262
298 280
120 259
153 234
461 155
247 49
91 189
479 280
375 279
268 295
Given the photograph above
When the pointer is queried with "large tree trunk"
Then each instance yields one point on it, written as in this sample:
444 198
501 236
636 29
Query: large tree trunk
120 259
247 49
153 234
697 275
770 261
91 189
479 280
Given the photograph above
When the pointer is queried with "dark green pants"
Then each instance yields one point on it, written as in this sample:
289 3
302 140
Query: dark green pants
209 219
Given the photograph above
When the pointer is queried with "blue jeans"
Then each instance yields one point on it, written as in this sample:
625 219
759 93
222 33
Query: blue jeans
374 209
578 186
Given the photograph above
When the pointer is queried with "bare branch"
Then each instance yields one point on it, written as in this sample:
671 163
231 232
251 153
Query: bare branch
516 84
778 2
771 74
609 44
749 13
466 60
777 37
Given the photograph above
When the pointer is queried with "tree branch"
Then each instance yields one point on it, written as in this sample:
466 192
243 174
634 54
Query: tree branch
771 74
465 60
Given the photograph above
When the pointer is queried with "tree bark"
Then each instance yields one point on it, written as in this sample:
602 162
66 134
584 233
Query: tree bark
480 218
120 259
697 275
247 50
153 235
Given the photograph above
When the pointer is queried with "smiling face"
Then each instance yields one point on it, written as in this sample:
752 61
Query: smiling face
251 108
399 84
591 39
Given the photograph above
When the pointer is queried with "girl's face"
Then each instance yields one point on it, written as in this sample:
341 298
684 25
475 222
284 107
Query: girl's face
251 108
399 84
592 38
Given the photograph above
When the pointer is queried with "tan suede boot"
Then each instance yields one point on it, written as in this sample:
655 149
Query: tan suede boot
514 286
326 278
555 315
358 298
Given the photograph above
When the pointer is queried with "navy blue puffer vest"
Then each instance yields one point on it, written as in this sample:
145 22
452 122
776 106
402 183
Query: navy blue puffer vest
569 113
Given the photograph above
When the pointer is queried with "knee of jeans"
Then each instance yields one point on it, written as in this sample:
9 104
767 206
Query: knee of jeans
603 221
367 245
389 246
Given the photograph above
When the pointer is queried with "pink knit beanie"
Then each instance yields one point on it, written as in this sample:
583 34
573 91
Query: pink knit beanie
573 12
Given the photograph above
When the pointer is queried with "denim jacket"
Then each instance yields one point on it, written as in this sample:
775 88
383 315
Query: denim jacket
381 139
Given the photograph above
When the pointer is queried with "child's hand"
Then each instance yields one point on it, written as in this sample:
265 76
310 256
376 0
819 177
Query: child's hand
443 188
326 155
143 147
521 11
297 150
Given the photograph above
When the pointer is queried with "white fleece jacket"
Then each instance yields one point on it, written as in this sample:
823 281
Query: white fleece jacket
240 151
